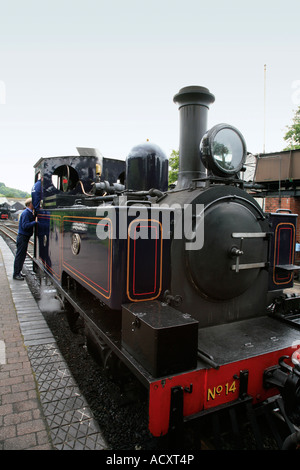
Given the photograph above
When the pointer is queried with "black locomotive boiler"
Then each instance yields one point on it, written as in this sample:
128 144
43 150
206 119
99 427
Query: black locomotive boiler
186 284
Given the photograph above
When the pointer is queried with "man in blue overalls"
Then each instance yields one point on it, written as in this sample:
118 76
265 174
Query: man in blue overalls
26 223
36 194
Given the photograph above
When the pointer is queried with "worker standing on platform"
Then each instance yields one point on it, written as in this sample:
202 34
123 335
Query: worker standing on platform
26 223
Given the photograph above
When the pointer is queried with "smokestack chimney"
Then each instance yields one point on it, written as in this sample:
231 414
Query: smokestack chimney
193 104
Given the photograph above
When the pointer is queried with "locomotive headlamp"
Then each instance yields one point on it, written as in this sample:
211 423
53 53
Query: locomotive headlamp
223 150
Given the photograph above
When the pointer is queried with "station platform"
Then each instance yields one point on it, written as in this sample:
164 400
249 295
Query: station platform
41 406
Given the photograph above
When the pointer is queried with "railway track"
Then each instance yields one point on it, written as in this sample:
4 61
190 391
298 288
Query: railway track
9 229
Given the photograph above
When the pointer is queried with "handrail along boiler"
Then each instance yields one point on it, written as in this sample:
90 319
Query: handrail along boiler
199 324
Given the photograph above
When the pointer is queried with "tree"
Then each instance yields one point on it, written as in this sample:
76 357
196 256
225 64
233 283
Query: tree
174 165
11 192
292 135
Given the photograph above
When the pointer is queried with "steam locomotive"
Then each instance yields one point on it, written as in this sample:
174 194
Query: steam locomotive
185 286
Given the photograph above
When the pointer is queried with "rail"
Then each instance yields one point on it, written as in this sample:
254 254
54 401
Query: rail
12 233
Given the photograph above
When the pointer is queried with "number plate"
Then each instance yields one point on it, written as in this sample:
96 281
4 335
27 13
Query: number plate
223 392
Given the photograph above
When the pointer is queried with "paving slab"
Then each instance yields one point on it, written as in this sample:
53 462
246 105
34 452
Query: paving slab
41 406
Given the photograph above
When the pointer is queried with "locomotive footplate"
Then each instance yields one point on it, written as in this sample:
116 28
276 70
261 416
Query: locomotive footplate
244 339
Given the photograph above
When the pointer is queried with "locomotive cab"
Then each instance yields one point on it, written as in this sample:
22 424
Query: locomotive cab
67 179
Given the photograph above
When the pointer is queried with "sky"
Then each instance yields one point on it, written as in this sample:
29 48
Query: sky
103 74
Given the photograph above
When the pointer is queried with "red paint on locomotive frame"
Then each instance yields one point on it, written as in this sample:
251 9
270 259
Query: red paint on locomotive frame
211 388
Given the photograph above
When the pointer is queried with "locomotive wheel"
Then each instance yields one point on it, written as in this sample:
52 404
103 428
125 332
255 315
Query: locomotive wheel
104 356
72 316
292 442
